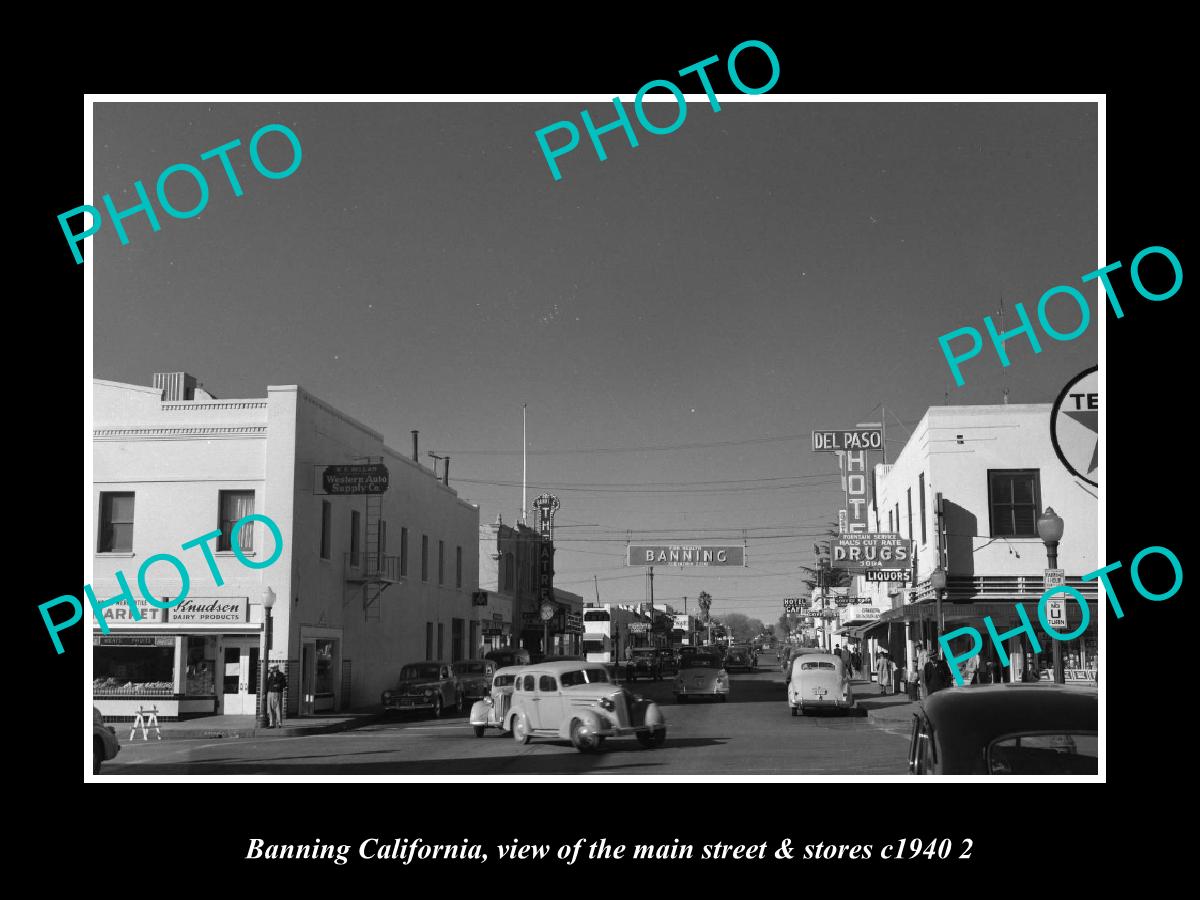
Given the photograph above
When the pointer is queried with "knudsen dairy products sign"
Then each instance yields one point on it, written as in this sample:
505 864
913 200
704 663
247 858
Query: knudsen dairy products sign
360 478
854 439
192 611
687 555
871 551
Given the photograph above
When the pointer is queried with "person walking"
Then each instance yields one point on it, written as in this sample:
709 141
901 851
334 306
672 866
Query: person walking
930 679
922 660
276 684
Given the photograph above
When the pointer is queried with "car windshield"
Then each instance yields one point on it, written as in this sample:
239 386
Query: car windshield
413 673
469 668
1044 754
504 680
700 661
643 651
584 676
817 665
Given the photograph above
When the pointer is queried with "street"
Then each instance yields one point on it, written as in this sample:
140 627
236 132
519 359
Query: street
753 733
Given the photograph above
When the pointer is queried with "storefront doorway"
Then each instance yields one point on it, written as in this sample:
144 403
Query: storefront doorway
241 672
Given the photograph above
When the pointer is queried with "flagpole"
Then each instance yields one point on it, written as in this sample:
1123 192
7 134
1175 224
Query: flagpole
524 467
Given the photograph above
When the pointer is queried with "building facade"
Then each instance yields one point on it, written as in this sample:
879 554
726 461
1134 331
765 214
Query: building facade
967 490
361 584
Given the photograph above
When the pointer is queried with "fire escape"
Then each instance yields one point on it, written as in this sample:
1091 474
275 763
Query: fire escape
375 571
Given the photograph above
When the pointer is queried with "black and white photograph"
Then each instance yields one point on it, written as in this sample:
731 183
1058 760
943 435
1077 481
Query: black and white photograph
686 434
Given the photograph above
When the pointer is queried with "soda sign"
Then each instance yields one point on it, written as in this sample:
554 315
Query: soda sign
855 439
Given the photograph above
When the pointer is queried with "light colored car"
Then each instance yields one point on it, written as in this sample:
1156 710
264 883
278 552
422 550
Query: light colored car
702 674
577 701
104 741
426 685
492 710
818 681
474 677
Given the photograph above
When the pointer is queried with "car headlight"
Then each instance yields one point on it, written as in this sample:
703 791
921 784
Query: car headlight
387 695
428 694
607 704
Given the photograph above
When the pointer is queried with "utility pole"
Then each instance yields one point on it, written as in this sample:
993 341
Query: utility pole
524 467
650 633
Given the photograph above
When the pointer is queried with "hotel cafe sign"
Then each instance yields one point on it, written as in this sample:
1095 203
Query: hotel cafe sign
192 611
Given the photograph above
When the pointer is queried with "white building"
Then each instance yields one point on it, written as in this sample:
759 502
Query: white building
363 583
995 470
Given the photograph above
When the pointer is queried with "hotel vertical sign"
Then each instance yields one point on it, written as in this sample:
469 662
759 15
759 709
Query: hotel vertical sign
851 447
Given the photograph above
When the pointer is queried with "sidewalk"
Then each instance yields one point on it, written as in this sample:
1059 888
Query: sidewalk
247 726
889 707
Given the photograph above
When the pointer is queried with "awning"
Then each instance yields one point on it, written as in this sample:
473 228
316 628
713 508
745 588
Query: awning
1004 615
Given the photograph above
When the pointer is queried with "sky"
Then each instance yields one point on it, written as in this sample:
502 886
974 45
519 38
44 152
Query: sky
677 318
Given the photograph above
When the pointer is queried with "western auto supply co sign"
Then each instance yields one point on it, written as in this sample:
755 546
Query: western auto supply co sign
686 555
368 478
859 552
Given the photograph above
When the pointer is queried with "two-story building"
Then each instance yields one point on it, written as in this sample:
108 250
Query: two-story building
362 584
967 490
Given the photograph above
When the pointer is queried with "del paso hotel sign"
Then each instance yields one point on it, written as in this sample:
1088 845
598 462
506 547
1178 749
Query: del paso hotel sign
687 555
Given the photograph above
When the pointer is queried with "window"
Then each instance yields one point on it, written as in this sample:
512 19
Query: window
921 498
458 567
509 570
323 682
527 683
382 548
441 640
326 520
910 531
456 639
1014 500
1044 754
354 548
547 684
403 550
474 639
424 557
235 505
891 524
116 523
141 669
428 640
201 666
441 562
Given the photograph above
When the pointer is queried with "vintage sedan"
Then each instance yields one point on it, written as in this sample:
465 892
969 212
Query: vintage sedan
1007 729
508 656
739 657
643 664
702 675
105 744
492 710
474 677
667 661
428 685
818 681
577 702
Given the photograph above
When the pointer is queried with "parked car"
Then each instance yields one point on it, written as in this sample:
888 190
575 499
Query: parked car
818 681
667 664
105 744
1007 729
492 710
576 701
508 656
702 674
474 677
643 663
426 685
739 658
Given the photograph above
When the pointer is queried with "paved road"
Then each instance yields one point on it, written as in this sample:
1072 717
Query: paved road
751 734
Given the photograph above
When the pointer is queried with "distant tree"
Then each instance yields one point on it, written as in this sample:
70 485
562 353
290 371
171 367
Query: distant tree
742 628
831 576
705 601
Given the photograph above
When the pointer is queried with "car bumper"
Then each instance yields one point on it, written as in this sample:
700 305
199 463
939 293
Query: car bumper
824 704
626 730
693 691
405 704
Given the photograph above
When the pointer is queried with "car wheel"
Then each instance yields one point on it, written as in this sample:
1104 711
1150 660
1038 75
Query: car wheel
584 739
460 703
520 735
795 712
437 706
97 755
479 730
646 739
679 698
724 697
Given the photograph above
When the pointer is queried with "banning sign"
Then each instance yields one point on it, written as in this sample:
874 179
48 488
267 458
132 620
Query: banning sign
371 478
686 555
870 551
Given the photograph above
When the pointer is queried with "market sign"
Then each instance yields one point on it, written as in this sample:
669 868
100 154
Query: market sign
854 439
1075 426
681 622
133 640
686 555
359 478
862 552
211 611
639 627
120 614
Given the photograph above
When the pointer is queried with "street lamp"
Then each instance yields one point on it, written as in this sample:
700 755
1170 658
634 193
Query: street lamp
1050 530
937 581
268 600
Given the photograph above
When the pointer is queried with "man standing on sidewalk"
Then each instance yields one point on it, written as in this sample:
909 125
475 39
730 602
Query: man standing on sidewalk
276 683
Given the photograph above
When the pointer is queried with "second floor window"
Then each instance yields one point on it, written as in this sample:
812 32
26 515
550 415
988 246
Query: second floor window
441 562
458 567
235 505
1014 502
116 523
326 523
424 557
921 491
403 550
354 530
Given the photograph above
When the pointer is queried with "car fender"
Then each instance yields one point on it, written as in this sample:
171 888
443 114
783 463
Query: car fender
512 717
588 716
654 716
479 712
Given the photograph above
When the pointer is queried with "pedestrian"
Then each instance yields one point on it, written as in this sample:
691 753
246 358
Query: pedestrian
969 670
855 662
276 683
922 661
930 680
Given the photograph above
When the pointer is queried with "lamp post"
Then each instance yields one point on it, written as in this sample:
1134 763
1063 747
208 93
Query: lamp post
268 600
1050 530
937 581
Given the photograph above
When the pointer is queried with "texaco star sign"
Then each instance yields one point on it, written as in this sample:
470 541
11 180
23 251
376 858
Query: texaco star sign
1075 426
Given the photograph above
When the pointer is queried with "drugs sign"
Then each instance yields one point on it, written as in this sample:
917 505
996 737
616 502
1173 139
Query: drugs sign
870 551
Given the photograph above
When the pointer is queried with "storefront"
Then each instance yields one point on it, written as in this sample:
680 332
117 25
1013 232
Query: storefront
198 658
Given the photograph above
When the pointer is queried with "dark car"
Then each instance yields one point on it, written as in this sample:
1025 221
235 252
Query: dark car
643 663
508 656
474 677
668 664
739 658
1007 729
430 686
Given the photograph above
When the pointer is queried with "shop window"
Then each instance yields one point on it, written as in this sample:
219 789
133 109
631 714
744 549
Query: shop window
355 549
235 505
201 667
458 567
326 522
324 676
921 499
116 522
428 641
146 668
1014 502
441 640
403 551
441 562
456 639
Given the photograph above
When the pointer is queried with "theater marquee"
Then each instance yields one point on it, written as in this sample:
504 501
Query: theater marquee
687 555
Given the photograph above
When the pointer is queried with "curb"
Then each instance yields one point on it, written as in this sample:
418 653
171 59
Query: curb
240 733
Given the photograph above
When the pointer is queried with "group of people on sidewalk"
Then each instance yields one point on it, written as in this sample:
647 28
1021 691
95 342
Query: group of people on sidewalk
931 673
